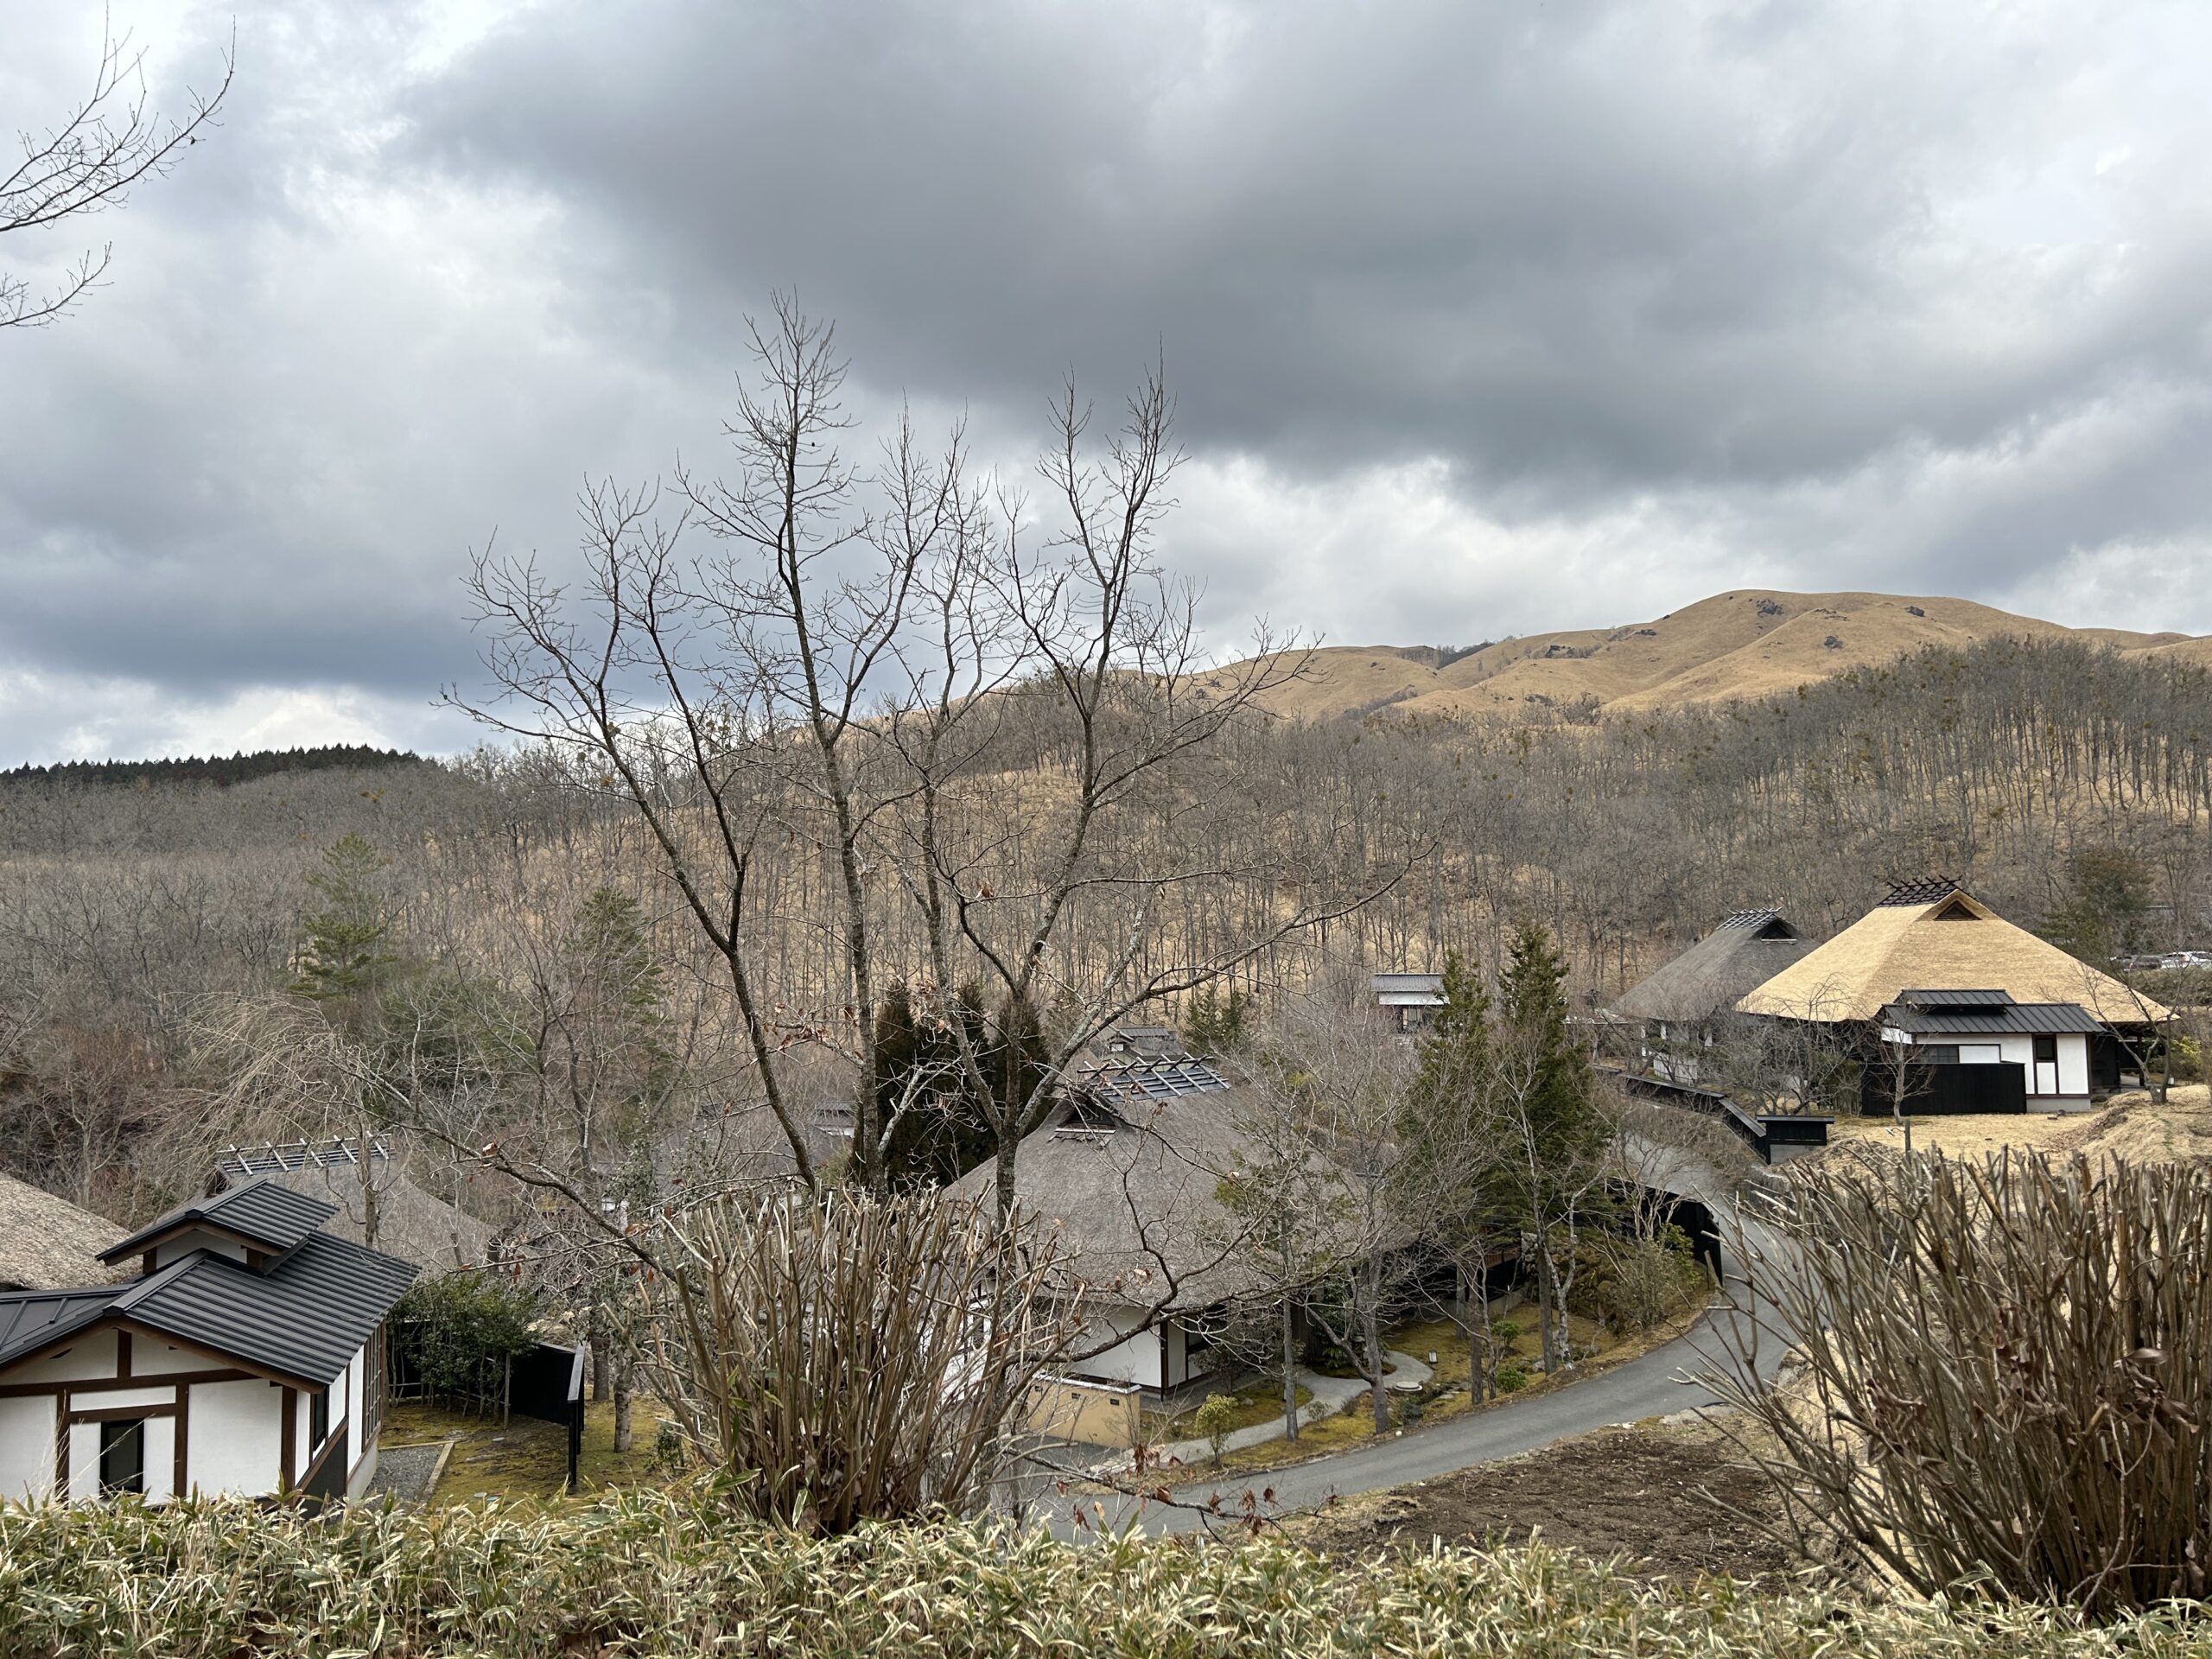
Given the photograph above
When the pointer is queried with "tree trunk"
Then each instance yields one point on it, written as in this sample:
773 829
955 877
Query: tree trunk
1474 1315
1544 1309
1371 1318
1289 1372
602 1360
622 1400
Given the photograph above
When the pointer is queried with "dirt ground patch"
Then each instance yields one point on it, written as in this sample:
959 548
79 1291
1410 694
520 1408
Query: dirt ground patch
1657 1496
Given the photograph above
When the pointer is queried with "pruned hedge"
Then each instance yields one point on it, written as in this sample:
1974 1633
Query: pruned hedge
661 1574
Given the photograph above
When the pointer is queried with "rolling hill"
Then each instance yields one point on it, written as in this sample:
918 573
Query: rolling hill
1746 644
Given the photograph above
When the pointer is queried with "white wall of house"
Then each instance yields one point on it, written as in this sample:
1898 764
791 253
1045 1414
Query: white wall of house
1134 1359
26 1448
232 1444
1158 1357
349 1403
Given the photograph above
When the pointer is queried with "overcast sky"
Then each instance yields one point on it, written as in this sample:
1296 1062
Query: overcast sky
1487 317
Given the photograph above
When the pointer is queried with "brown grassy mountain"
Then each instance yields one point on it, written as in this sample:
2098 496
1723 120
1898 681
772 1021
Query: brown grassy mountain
1748 643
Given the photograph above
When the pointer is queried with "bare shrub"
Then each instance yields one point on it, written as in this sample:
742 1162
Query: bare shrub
2007 1366
844 1358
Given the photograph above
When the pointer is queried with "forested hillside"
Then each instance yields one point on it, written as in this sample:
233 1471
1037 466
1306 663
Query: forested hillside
139 925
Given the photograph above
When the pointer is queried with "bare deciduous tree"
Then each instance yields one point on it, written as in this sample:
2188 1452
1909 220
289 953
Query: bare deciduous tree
111 140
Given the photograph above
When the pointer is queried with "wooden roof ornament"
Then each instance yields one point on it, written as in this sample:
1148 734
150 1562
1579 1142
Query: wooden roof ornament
1935 936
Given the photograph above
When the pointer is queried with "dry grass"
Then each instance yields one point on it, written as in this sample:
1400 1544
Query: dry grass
1744 643
2131 1126
526 1460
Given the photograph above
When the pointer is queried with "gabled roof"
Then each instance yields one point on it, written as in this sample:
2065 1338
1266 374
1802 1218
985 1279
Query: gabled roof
1748 948
1409 991
1912 942
32 1319
303 1319
1931 1016
48 1243
262 1213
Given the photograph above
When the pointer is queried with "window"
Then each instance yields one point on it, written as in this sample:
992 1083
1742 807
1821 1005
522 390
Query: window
318 1418
2047 1050
123 1455
1937 1053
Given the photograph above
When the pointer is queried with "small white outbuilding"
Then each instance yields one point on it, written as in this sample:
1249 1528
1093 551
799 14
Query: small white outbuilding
246 1358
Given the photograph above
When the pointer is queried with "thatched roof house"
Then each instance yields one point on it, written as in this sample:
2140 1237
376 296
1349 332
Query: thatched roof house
1746 952
411 1222
1932 936
48 1244
1130 1167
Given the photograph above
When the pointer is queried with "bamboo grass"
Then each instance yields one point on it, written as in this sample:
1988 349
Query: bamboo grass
670 1572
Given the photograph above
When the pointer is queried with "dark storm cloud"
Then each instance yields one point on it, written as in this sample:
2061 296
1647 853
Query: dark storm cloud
1566 247
1480 316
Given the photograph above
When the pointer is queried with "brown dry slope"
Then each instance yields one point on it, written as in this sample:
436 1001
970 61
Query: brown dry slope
1749 643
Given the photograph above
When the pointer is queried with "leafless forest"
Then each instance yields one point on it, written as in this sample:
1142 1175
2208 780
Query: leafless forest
137 921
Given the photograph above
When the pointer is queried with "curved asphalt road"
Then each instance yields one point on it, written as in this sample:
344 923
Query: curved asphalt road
1651 1385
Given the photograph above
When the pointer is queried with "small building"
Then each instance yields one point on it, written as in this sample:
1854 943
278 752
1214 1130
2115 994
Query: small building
1129 1167
1933 970
1681 1006
244 1358
48 1243
1408 1002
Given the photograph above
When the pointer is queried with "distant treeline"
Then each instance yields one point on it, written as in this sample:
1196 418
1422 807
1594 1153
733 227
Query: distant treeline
215 769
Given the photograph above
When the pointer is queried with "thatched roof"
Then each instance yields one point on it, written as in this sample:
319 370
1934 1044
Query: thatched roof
1951 941
48 1244
1132 1182
1738 956
412 1223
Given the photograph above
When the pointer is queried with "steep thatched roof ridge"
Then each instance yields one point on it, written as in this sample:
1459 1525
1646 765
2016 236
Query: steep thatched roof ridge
48 1244
1950 943
1738 956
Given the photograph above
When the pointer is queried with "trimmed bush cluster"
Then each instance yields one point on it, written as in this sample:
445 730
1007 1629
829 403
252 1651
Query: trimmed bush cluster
667 1574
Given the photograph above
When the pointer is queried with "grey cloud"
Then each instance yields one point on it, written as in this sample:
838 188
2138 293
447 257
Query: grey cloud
1830 292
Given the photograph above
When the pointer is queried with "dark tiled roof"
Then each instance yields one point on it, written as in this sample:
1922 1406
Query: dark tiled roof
31 1318
268 1215
303 1318
1952 999
1996 1020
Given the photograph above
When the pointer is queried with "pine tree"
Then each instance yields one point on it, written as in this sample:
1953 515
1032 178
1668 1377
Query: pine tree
344 951
1216 1022
1546 1097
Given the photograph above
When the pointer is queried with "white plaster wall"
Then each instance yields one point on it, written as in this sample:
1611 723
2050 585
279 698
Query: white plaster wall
186 1243
93 1356
26 1449
233 1441
161 1458
153 1357
2073 1065
125 1394
1135 1359
356 1371
84 1462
